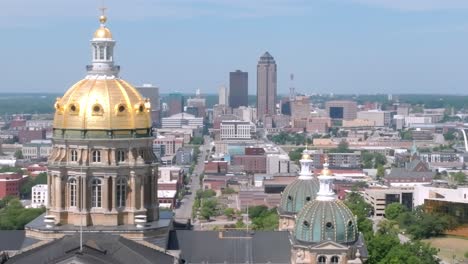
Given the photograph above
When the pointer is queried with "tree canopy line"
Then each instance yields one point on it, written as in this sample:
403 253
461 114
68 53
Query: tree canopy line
13 215
384 245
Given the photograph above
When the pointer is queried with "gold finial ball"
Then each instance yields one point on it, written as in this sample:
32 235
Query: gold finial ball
103 19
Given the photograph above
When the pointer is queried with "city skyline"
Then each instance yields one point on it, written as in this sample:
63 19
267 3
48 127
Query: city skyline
395 46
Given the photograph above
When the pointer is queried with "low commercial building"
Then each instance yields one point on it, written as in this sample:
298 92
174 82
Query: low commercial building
39 196
184 156
167 145
277 163
379 118
235 129
182 120
381 198
251 163
37 149
10 184
216 167
167 198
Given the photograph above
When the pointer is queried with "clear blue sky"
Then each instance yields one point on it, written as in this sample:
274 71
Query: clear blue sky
340 46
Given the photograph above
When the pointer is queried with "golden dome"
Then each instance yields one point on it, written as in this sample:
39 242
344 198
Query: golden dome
103 32
102 104
305 156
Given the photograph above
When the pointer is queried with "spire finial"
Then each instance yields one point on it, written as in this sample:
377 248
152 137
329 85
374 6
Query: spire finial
103 17
326 179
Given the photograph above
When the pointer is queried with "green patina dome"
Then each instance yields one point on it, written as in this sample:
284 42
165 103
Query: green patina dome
297 194
326 220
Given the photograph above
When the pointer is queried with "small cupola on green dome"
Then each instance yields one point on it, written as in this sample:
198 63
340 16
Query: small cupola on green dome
326 218
302 190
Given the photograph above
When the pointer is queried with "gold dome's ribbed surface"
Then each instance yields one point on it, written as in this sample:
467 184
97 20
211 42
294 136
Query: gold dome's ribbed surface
103 32
102 104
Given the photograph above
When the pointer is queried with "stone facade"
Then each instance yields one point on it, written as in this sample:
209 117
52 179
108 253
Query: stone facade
102 182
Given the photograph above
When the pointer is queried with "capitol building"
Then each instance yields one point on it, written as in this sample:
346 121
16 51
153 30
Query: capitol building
103 184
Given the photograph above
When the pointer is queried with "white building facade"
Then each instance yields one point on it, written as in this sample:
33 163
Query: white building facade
39 196
235 129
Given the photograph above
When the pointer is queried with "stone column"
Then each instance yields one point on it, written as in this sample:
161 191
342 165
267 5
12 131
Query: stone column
133 193
84 187
50 191
105 194
114 194
58 191
112 156
142 194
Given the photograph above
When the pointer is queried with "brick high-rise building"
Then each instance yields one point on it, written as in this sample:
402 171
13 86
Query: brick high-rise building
238 89
266 86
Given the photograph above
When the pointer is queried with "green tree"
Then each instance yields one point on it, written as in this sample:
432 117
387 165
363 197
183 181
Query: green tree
14 216
229 213
295 155
388 227
208 208
393 211
379 246
18 154
459 177
228 191
197 141
450 135
411 253
204 194
25 190
380 172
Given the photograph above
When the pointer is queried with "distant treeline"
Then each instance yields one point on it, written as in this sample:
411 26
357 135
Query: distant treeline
11 103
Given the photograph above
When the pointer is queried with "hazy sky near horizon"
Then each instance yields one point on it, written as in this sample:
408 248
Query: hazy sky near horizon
339 46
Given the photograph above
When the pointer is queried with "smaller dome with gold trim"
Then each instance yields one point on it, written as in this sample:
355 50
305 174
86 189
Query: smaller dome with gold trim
302 190
326 218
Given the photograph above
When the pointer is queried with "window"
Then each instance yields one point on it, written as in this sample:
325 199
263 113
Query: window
121 194
120 156
72 186
322 260
96 186
96 156
74 156
101 52
335 260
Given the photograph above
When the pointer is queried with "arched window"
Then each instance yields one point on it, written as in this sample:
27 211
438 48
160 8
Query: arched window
96 156
335 260
96 188
74 155
121 194
72 186
120 156
322 260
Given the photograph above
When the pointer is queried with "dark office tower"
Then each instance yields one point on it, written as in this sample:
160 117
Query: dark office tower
238 89
266 86
175 103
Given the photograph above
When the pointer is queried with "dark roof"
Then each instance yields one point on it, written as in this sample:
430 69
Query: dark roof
231 246
97 248
11 239
402 172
